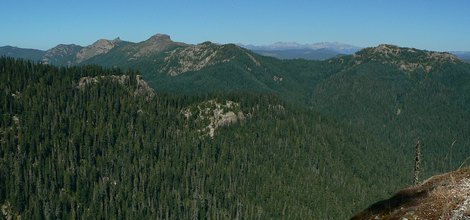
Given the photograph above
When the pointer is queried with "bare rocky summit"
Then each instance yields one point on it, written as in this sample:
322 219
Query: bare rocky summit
155 44
445 196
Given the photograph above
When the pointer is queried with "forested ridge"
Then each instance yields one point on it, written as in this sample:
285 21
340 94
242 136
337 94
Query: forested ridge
101 151
400 106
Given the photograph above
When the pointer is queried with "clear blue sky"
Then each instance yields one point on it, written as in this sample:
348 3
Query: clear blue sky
425 24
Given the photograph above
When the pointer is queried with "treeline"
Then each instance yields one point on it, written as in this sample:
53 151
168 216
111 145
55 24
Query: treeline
100 152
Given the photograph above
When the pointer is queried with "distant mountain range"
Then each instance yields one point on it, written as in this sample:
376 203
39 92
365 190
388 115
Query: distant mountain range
337 47
317 51
292 50
71 54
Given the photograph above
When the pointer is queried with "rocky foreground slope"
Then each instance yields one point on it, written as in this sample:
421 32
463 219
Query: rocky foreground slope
445 196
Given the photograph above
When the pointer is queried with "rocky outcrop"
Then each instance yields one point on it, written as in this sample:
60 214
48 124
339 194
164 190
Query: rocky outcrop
142 88
277 78
8 212
213 115
445 196
99 47
88 80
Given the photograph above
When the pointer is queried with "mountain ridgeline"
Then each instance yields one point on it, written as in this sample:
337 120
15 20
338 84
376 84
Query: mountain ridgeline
218 131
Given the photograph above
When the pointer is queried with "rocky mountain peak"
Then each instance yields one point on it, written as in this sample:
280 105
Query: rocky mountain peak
99 47
103 43
156 43
160 38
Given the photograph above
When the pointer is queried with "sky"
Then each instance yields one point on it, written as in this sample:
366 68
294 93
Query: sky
441 25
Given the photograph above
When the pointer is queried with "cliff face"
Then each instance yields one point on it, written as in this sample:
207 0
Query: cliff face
445 196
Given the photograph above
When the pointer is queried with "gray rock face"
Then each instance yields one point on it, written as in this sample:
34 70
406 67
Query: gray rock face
143 89
8 212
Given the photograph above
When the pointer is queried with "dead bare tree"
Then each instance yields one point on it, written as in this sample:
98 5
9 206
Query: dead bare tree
417 161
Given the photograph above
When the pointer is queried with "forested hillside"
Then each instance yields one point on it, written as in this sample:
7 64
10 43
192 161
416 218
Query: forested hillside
401 95
87 142
16 52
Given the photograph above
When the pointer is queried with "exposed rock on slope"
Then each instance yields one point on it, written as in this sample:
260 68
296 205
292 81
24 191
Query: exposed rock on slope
99 47
142 88
196 57
61 51
87 81
8 213
406 59
214 115
445 196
